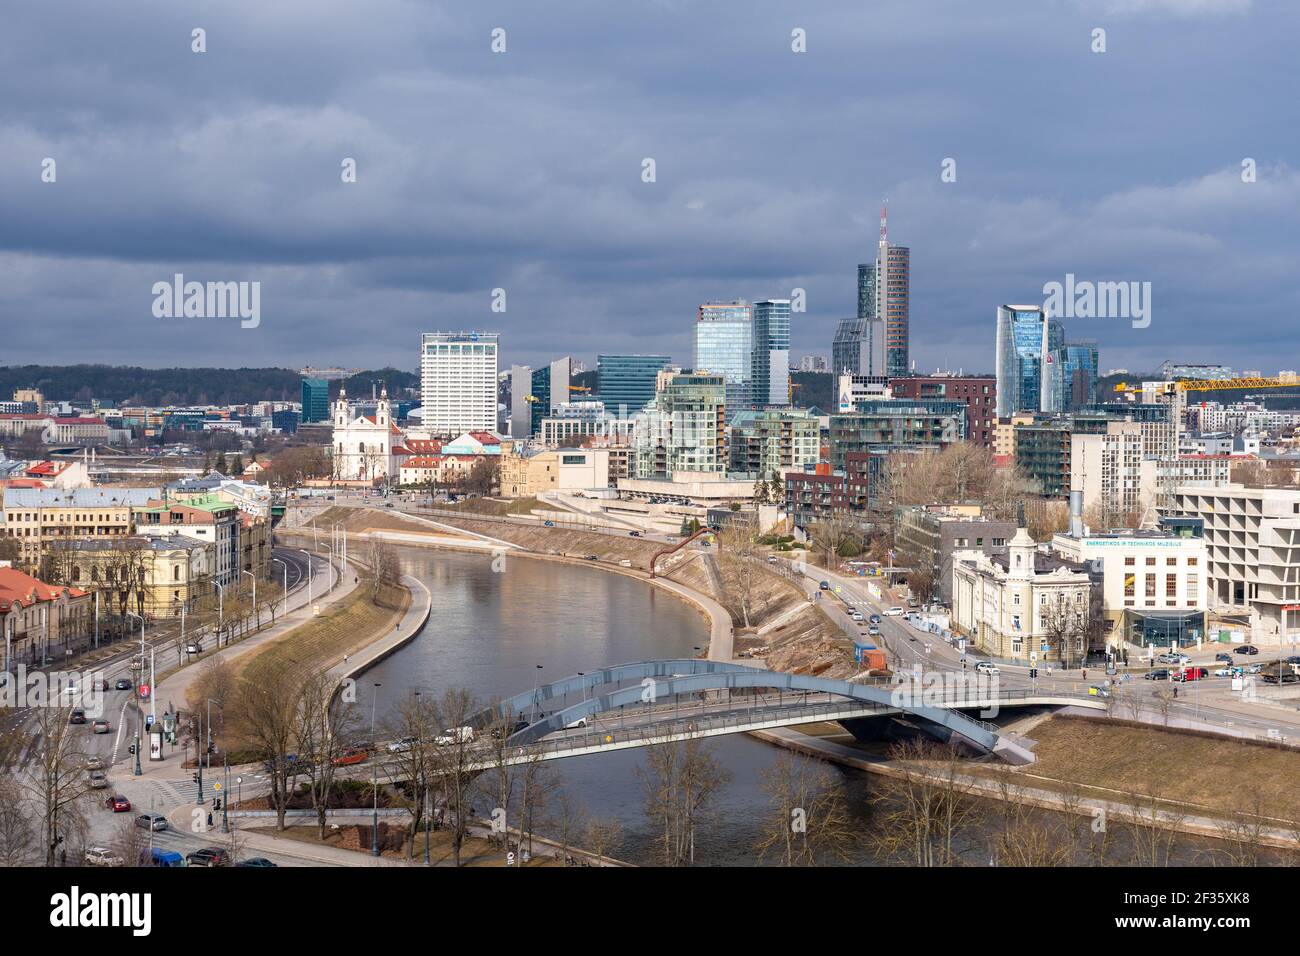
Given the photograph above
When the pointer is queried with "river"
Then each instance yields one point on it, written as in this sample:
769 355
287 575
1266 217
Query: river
490 629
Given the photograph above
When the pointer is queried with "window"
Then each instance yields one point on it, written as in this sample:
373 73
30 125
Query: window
1170 562
1128 562
1191 562
1151 586
1130 583
1171 586
1016 645
1151 562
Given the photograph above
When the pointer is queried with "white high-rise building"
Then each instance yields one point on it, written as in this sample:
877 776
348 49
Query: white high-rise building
458 382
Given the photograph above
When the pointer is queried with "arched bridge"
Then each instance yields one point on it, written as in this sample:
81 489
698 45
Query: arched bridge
648 702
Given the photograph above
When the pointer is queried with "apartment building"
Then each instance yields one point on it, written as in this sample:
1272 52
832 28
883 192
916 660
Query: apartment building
39 517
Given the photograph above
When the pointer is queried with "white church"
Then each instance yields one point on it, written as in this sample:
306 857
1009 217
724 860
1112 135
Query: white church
369 447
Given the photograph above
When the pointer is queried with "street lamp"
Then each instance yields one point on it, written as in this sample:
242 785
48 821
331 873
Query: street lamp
285 564
308 553
374 776
221 609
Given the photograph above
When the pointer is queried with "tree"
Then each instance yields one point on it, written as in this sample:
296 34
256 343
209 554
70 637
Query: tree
776 493
738 561
925 815
56 779
921 579
416 720
269 710
386 570
602 836
833 535
18 844
1065 624
808 816
325 726
680 782
454 765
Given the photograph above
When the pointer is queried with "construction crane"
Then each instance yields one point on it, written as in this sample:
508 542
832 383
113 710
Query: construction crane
1212 385
580 388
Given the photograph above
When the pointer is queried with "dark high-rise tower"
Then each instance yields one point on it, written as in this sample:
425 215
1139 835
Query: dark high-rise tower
892 298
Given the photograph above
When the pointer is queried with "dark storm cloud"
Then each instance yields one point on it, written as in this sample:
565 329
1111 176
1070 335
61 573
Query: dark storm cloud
522 171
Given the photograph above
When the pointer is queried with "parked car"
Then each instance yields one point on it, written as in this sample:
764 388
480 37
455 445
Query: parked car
1173 658
1159 673
580 722
511 731
160 857
1223 672
102 856
78 716
402 745
1225 658
259 861
634 534
1255 668
152 821
100 727
1246 649
208 856
193 647
98 780
985 667
353 755
118 804
591 557
548 523
894 612
122 683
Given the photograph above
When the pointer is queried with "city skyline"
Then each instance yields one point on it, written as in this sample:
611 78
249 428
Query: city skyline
427 234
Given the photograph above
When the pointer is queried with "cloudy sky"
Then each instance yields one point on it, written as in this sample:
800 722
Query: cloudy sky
522 170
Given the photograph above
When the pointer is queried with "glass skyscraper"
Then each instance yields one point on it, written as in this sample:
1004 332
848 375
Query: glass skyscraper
1078 375
770 365
724 342
1028 346
628 381
315 400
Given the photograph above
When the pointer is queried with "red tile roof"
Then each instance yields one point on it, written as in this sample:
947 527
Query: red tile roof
25 590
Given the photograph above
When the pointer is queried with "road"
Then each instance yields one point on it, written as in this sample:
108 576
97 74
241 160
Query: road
911 647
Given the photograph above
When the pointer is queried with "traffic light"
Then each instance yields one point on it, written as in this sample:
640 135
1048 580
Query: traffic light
131 749
216 803
195 777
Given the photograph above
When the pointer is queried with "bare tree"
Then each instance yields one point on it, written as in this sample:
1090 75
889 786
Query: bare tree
326 724
680 781
808 816
927 811
56 779
416 721
269 711
738 563
18 843
833 534
602 836
454 758
386 570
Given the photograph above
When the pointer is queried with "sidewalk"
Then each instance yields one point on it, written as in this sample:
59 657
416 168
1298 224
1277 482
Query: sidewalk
172 690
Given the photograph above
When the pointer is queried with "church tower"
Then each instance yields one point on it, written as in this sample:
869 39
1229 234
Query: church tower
341 409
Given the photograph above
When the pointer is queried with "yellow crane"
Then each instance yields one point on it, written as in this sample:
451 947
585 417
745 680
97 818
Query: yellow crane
1211 385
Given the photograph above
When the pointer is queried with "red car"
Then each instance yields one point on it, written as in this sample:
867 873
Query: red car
118 804
1192 673
353 755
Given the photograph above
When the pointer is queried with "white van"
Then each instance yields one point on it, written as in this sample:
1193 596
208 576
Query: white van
456 735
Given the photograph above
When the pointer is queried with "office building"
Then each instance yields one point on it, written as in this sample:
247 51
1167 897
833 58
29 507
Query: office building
626 383
1077 375
458 380
859 347
770 361
927 537
896 425
891 292
315 400
1252 540
1026 343
724 345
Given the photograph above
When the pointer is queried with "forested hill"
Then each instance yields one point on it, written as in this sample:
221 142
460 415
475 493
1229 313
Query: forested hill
128 385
